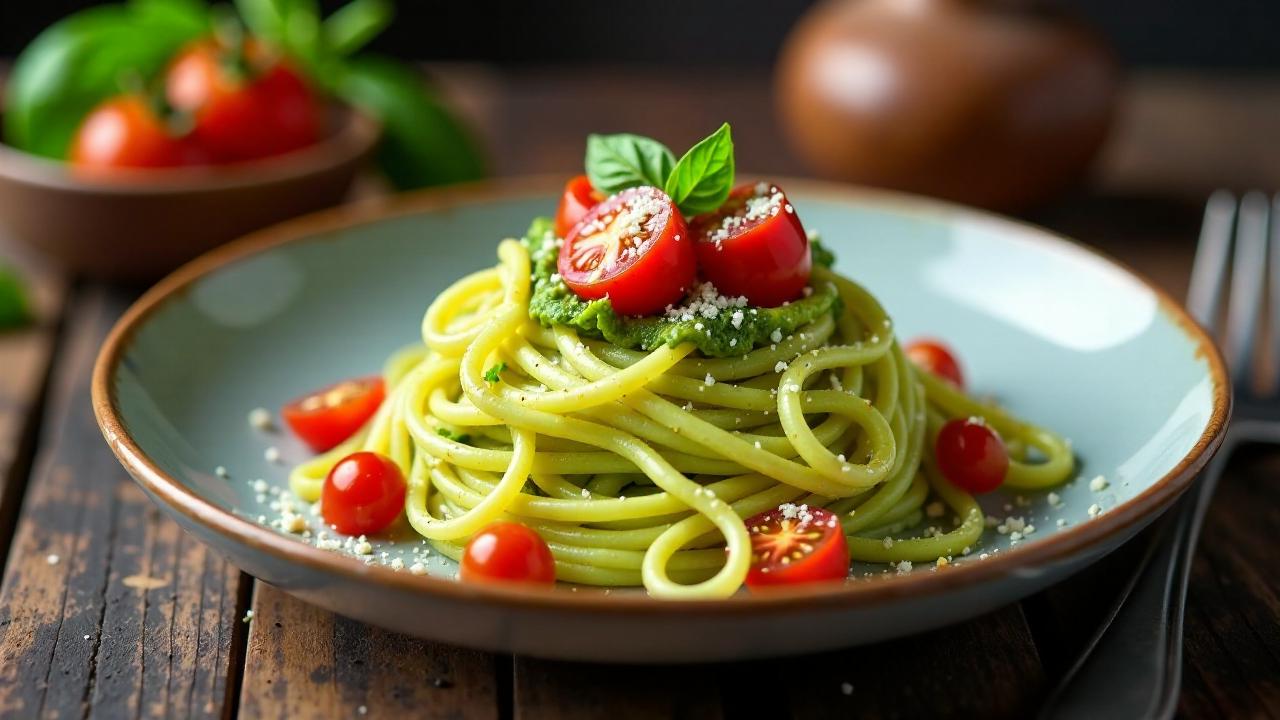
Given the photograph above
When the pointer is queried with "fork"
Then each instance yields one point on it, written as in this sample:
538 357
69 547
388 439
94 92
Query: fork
1132 666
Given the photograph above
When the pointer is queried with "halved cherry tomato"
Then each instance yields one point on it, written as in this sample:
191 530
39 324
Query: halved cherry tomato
326 417
507 552
935 357
578 199
634 248
796 544
243 110
755 246
363 494
125 131
971 455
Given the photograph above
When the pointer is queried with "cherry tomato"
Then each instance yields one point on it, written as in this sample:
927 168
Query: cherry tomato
507 552
796 544
635 248
935 357
243 111
326 417
125 131
755 246
578 199
363 494
971 456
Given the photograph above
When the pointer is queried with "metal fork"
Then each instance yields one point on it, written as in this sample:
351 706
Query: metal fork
1132 667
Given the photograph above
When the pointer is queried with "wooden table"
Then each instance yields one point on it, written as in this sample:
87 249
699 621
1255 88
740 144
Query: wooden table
108 610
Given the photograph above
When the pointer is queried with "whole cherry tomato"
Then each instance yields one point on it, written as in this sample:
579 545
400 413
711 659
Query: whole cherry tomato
634 248
363 494
246 103
935 357
507 552
126 132
755 246
971 455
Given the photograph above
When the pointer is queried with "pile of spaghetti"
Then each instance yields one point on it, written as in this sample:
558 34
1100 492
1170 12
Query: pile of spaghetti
637 467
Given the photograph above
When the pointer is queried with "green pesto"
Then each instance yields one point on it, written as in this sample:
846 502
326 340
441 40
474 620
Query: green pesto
553 303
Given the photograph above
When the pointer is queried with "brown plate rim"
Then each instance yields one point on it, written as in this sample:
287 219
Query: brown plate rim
857 593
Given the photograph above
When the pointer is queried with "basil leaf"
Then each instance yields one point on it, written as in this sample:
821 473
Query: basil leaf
353 25
617 162
15 308
704 176
422 142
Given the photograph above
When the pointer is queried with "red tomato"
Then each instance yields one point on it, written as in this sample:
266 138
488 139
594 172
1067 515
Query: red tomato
796 544
578 199
125 131
326 417
635 248
265 110
935 357
755 246
507 552
363 494
971 456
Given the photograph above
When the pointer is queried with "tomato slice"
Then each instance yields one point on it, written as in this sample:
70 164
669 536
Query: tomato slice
796 544
935 357
507 552
578 199
971 455
755 246
326 417
363 494
634 248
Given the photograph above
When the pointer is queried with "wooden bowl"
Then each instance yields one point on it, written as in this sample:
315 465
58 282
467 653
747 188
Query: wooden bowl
140 224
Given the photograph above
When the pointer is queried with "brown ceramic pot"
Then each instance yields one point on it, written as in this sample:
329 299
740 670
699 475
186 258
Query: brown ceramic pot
997 104
140 224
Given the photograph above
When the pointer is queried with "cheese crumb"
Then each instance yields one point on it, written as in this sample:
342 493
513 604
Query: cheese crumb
418 569
260 487
260 419
221 472
708 380
1098 484
1095 510
1055 499
272 454
904 567
780 366
52 559
362 547
397 564
248 615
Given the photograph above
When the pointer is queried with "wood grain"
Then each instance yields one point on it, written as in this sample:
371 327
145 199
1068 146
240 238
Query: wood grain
106 608
552 689
304 662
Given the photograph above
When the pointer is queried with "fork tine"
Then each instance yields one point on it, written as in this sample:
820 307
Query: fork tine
1248 284
1209 271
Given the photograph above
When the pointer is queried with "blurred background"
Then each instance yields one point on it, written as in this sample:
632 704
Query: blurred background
1234 34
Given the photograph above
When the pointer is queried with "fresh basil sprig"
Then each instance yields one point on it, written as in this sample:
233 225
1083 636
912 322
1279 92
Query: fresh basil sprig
617 162
703 178
15 303
698 183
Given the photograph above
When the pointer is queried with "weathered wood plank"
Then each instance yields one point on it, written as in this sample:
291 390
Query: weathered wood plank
106 608
24 368
304 662
987 668
551 689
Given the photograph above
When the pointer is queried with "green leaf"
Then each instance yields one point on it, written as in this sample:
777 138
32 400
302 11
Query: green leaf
704 176
79 61
617 162
353 25
491 375
422 143
15 307
448 434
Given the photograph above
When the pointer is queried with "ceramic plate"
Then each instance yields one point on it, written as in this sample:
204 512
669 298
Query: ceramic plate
1059 334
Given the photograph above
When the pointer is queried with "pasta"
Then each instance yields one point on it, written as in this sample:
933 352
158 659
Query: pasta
638 467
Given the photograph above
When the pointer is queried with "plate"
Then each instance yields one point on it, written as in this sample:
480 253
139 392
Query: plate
1059 334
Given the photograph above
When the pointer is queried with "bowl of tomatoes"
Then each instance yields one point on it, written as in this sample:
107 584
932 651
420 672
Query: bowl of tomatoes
137 136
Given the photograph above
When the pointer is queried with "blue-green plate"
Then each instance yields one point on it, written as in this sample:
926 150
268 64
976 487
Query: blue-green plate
1059 334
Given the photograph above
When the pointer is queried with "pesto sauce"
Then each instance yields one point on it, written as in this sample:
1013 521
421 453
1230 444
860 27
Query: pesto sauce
716 333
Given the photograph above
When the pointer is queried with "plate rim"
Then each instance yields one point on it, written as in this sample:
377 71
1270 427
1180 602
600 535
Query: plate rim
865 592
